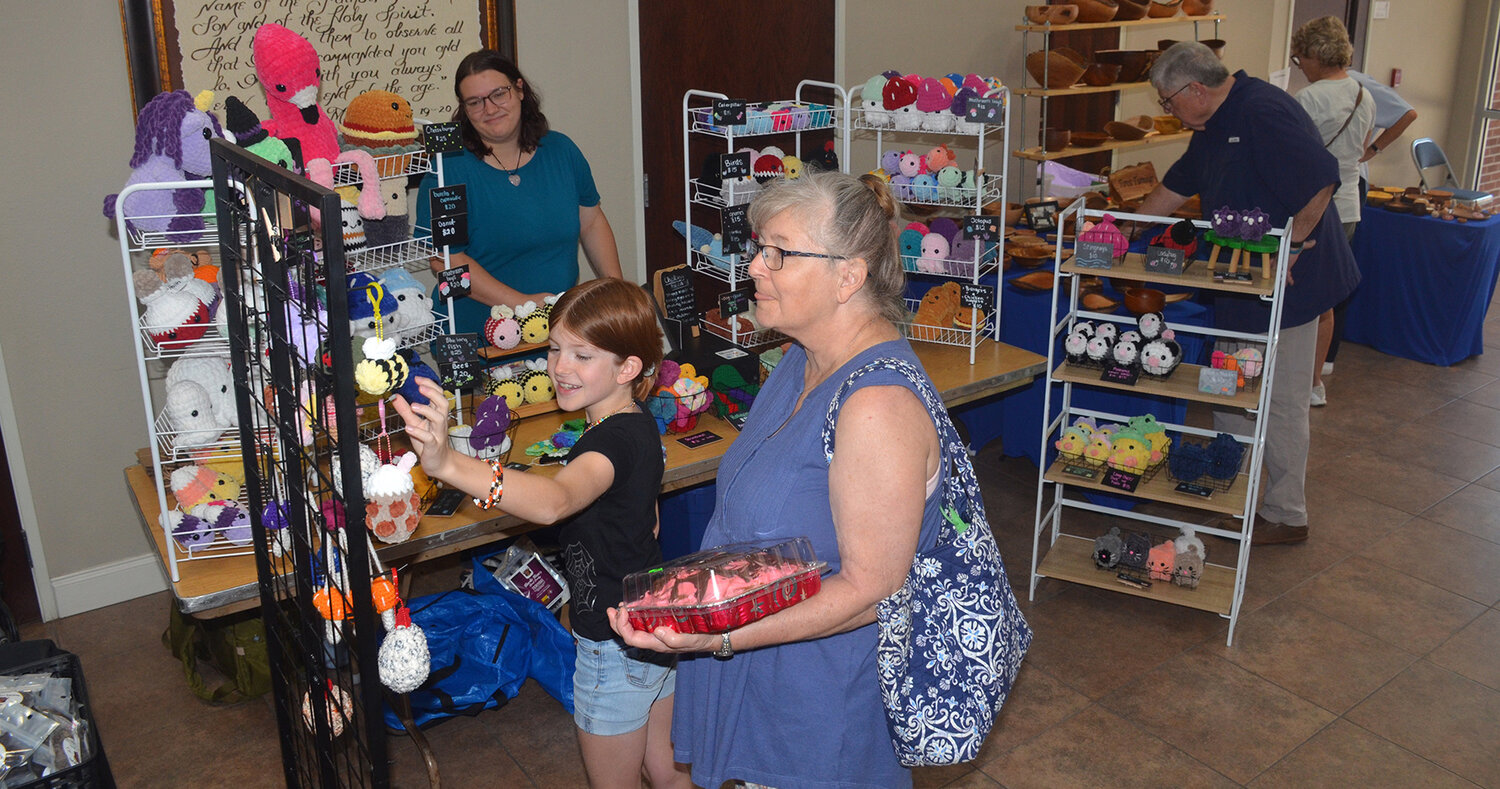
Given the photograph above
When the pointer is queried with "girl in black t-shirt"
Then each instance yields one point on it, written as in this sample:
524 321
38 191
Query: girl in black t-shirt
605 350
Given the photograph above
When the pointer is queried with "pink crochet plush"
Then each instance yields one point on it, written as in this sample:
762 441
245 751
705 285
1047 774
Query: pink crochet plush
287 66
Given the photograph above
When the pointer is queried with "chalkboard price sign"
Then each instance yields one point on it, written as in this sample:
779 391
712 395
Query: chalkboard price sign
449 200
679 299
440 138
1194 489
986 110
459 374
734 165
1164 260
1118 374
976 296
984 227
1120 480
447 230
1093 254
730 112
736 301
736 228
454 283
456 347
1086 472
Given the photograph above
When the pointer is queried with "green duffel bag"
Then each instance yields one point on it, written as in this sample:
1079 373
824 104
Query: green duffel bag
234 644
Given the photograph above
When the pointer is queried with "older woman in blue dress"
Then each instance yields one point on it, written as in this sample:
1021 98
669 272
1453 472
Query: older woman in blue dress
792 700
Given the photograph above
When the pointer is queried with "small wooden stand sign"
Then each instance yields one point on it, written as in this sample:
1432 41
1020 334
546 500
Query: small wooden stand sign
1093 254
1165 260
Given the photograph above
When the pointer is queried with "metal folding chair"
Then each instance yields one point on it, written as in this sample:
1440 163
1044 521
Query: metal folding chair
1428 157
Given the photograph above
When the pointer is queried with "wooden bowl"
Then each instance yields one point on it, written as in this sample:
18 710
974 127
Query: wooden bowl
1055 139
1023 240
1056 68
1161 9
1134 63
1132 9
1166 124
1378 198
1097 10
1036 280
1165 44
1197 7
1098 302
1123 131
1216 45
1143 300
1063 14
1088 139
1439 197
1032 255
1101 74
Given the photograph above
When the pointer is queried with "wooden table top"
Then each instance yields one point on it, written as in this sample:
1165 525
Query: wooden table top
221 585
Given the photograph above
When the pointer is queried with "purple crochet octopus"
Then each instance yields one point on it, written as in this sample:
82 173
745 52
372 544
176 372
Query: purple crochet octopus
171 144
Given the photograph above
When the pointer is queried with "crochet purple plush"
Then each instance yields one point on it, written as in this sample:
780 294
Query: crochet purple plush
171 144
491 420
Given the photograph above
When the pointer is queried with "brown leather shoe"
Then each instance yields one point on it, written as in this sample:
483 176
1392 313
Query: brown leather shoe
1268 533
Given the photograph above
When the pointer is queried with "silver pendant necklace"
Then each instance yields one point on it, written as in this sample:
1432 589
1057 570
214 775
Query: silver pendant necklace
513 176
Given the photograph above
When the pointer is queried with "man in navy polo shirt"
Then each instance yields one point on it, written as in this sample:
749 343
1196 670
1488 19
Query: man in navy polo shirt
1255 147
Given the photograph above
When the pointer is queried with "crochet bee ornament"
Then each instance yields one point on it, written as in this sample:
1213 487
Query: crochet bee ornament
506 382
536 384
535 324
382 370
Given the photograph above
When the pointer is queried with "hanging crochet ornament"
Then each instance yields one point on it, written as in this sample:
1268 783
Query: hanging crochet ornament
382 370
404 659
340 706
392 507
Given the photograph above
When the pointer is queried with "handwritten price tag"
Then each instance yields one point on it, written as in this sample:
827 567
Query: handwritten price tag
441 138
729 112
449 200
1120 480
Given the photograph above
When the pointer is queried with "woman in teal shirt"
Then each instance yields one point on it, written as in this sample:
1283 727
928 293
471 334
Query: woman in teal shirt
531 195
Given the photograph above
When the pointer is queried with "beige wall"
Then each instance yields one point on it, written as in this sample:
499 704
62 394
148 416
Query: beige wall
69 362
73 388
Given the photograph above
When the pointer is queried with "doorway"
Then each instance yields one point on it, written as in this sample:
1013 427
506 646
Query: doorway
1353 13
17 587
732 48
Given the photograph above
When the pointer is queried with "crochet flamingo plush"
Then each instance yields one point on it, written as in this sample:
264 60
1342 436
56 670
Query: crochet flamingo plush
287 66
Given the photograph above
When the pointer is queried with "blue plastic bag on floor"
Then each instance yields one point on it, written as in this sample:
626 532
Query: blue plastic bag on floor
485 642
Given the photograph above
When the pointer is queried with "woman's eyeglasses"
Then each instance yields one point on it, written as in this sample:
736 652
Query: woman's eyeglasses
1296 61
773 256
497 97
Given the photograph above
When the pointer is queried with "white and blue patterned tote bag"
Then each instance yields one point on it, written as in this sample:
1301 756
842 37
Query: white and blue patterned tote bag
952 637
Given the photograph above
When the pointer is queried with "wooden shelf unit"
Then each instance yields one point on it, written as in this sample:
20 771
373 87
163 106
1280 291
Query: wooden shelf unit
1127 24
1071 559
1036 154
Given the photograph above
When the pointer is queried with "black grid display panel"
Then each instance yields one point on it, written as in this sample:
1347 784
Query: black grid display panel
293 370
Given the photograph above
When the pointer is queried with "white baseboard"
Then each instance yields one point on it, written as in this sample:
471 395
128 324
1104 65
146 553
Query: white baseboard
108 584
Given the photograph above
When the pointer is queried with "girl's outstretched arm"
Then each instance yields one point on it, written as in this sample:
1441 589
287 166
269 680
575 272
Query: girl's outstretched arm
534 497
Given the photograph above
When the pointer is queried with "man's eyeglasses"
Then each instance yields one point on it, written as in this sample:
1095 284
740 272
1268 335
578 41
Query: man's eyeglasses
773 256
1166 102
497 97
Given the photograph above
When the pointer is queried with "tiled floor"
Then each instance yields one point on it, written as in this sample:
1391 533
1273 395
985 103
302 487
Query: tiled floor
1369 656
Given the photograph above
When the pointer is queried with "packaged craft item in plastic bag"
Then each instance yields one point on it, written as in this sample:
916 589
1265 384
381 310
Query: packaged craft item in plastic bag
723 588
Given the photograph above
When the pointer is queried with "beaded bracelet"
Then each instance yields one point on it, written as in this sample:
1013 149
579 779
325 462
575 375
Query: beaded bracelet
497 487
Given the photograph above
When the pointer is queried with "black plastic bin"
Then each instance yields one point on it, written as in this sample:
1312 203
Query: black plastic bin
43 656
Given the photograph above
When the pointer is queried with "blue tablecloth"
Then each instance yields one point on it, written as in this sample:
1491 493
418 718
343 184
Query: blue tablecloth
1427 285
